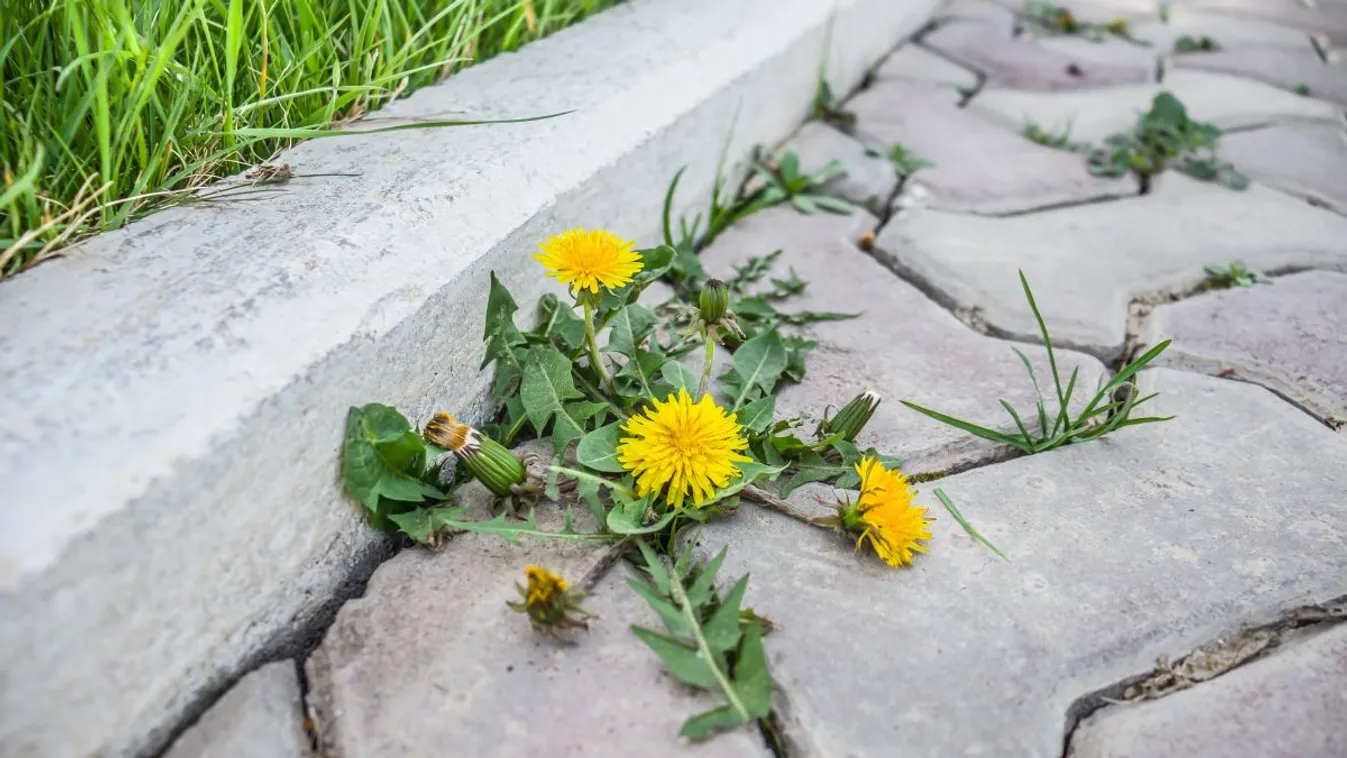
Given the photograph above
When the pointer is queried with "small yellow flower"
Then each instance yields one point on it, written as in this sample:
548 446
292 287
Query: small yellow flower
691 447
548 601
885 516
1118 26
586 260
543 587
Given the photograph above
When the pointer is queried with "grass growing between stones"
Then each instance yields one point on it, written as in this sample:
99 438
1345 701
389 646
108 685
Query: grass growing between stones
114 109
1109 410
1047 18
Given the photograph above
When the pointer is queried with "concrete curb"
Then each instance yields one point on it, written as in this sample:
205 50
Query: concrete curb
173 394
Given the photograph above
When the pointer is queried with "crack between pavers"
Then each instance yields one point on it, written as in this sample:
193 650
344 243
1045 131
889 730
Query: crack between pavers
1206 662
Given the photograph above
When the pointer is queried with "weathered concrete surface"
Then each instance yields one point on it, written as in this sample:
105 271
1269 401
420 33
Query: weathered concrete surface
1087 263
916 63
1021 65
261 716
998 17
1229 32
1284 68
1224 100
1149 542
1306 160
870 179
1288 13
430 659
902 345
1113 51
1290 337
196 368
987 169
1289 705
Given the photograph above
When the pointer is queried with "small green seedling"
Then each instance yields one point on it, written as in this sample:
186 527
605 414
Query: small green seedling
1190 44
828 108
1235 274
907 162
1060 140
1301 89
1108 411
1165 136
786 182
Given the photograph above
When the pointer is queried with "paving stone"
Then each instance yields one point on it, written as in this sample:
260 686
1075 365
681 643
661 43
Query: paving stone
1307 160
1284 68
1287 13
1289 705
902 345
916 63
1224 100
260 717
1020 64
1113 51
1290 337
1147 543
430 660
988 169
870 179
991 14
1227 31
1086 263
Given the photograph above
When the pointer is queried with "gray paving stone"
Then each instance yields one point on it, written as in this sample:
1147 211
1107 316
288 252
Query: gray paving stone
1306 160
987 169
1148 543
902 346
1289 705
916 63
1224 100
1290 337
1113 51
870 180
1227 31
261 717
430 660
1086 263
1020 64
1287 13
1284 68
991 14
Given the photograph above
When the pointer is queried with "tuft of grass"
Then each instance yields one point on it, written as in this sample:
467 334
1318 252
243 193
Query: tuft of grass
112 109
1109 410
1190 44
1059 140
1234 274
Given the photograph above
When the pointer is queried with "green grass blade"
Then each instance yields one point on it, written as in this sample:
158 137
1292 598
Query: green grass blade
974 429
1011 410
1047 340
668 207
967 527
1042 412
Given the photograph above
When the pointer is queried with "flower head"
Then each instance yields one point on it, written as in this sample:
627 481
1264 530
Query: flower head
549 602
1118 26
885 516
586 260
487 459
690 447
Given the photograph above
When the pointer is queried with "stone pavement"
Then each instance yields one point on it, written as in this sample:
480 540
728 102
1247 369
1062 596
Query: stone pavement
1198 567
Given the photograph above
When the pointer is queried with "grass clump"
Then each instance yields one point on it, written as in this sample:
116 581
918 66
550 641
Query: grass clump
1109 410
113 109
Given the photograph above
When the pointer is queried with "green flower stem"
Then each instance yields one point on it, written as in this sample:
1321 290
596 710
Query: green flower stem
762 497
706 365
585 475
594 356
681 597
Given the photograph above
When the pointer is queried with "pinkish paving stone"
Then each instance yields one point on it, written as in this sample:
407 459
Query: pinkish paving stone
1289 13
913 62
1307 160
986 169
1288 69
1227 31
1289 336
1110 51
903 345
1288 705
1020 64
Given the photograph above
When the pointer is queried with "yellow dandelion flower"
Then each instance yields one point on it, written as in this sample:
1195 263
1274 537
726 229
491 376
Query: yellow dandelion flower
549 602
885 516
690 447
543 586
586 260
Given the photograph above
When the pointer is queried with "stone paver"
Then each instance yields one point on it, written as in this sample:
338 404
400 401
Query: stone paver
1287 13
1019 64
987 169
902 346
1086 263
870 179
430 660
998 17
261 717
1306 160
1290 337
1289 705
1229 32
916 63
1224 100
1114 51
1147 543
1284 68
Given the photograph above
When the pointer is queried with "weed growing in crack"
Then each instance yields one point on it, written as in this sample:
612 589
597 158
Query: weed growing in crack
1108 411
1200 44
1166 137
906 162
1233 274
1059 140
785 182
1047 18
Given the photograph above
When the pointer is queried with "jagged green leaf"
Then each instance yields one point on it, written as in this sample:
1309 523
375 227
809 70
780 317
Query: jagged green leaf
598 449
722 629
546 387
382 456
629 328
683 662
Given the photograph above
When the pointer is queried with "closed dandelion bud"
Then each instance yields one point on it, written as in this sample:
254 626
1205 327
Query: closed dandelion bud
488 461
854 416
549 602
714 301
1118 26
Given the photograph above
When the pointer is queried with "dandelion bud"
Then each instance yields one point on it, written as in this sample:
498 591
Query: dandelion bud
1118 26
487 459
853 416
714 301
548 602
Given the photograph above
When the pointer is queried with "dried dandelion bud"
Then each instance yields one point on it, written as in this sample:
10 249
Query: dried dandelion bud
487 459
853 416
548 601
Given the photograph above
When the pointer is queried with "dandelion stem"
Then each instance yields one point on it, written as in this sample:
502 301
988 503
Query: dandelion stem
594 357
712 660
706 364
762 497
588 477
